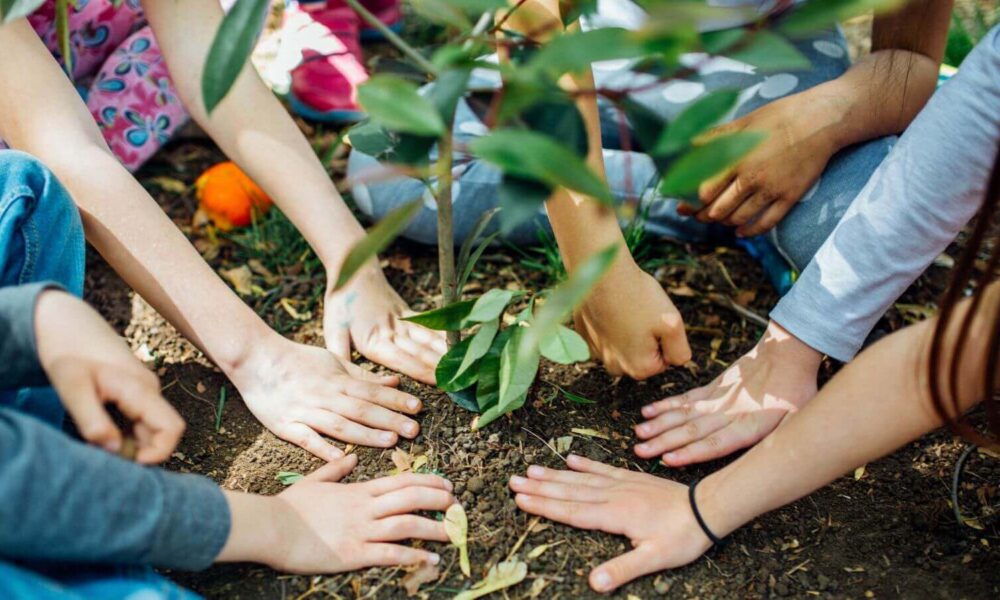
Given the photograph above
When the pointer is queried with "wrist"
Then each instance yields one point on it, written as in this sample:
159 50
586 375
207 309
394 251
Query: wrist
254 534
783 348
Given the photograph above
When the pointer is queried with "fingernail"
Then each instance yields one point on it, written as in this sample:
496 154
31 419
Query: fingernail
435 558
641 429
642 447
411 429
336 453
535 471
448 485
670 456
602 580
387 437
413 404
518 480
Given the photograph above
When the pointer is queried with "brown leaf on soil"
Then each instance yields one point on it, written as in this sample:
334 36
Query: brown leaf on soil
168 184
401 262
424 573
241 278
590 433
258 267
682 291
745 297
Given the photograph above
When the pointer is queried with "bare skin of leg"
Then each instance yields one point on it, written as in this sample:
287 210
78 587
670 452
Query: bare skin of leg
736 410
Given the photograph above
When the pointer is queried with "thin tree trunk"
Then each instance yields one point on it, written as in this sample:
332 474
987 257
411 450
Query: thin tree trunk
445 229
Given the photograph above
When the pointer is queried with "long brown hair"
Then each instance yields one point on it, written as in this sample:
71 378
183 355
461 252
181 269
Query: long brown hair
944 389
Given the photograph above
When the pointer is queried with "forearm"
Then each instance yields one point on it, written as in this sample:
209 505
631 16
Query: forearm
42 114
581 225
878 403
254 130
253 535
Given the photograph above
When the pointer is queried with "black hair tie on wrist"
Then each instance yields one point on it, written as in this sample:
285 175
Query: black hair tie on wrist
716 541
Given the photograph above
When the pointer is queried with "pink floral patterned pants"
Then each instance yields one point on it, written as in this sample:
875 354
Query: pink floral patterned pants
118 69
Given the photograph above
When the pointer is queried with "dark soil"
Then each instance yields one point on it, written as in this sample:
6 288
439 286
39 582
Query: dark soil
888 534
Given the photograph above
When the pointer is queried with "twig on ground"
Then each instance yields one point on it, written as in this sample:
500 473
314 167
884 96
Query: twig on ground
547 445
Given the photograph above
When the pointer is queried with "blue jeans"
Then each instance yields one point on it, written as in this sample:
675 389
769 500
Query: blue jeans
41 239
632 175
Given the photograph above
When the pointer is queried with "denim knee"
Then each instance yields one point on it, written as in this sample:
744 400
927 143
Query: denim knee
41 234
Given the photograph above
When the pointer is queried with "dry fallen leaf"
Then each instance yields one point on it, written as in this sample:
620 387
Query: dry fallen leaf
859 472
168 184
456 525
537 586
258 267
241 278
290 309
563 444
540 550
682 291
500 576
424 573
590 433
402 460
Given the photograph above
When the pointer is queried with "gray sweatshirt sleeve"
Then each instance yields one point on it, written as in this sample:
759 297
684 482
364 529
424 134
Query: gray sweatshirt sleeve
18 355
63 500
914 205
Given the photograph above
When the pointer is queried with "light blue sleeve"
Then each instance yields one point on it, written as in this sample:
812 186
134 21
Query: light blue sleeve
915 204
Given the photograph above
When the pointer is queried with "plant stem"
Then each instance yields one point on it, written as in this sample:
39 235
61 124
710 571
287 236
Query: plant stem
394 39
445 229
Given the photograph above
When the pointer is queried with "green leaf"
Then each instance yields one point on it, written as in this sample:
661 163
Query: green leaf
479 346
370 138
394 103
575 51
818 14
488 388
496 411
442 13
770 52
646 124
376 240
478 228
560 119
446 90
520 200
410 149
470 264
465 398
447 369
707 160
578 399
62 34
695 119
569 294
490 305
288 477
537 156
15 9
716 42
231 47
565 347
447 318
518 366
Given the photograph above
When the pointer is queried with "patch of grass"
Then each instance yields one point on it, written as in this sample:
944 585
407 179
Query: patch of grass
546 259
967 28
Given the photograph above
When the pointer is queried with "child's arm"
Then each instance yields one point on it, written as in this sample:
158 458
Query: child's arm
648 337
296 391
256 132
876 404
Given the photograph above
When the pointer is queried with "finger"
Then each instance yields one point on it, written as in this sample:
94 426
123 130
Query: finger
727 201
387 353
709 190
374 416
411 499
750 208
389 555
770 217
381 395
557 491
338 341
575 514
407 527
622 569
585 465
723 442
335 470
666 421
345 430
88 412
304 437
137 395
682 435
384 485
673 340
359 372
674 402
569 477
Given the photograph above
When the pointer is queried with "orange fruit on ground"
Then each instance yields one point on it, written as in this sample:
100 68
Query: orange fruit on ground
229 197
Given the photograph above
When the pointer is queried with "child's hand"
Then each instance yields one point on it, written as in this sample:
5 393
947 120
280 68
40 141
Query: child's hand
299 392
321 526
631 324
368 314
759 191
653 513
90 366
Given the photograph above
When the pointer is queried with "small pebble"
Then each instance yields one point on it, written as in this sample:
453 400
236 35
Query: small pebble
475 484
